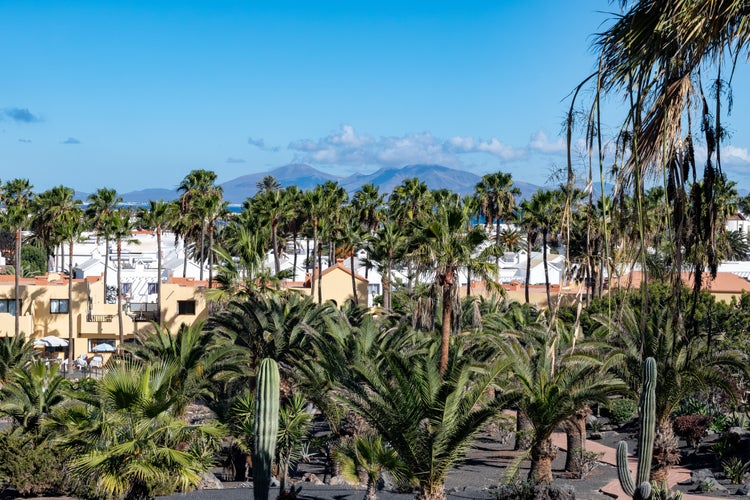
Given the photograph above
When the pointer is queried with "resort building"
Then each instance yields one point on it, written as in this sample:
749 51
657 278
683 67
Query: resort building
45 310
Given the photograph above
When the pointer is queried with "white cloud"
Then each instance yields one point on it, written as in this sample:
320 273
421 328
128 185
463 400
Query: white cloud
733 155
345 147
540 142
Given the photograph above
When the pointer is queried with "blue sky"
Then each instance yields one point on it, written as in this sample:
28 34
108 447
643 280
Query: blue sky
134 95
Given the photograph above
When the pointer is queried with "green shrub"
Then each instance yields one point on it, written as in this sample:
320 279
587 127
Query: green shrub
31 469
622 410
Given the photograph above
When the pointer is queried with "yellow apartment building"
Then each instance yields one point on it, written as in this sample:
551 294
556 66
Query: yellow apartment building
45 310
336 285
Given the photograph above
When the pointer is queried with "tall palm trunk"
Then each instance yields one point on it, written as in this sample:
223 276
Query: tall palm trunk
528 265
16 285
121 327
524 431
71 344
210 255
445 332
106 266
386 282
354 281
202 244
546 270
158 278
294 268
275 243
314 256
320 274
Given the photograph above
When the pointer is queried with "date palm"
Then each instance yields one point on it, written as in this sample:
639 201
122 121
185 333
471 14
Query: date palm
554 383
17 201
427 417
683 363
15 353
199 196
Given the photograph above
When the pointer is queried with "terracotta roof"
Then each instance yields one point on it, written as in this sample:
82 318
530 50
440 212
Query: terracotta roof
173 280
723 283
737 216
143 231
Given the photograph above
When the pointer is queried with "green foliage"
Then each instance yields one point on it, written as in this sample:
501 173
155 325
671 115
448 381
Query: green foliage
735 469
294 426
622 410
33 261
370 456
15 352
29 468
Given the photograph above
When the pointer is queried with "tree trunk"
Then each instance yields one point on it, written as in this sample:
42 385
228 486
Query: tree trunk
542 455
445 337
71 344
202 244
106 265
386 283
546 270
372 493
430 492
158 278
16 286
528 264
575 432
666 452
294 268
275 243
524 431
314 257
354 281
121 327
210 255
320 274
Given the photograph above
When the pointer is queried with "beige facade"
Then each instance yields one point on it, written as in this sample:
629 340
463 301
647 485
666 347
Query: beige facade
44 310
336 285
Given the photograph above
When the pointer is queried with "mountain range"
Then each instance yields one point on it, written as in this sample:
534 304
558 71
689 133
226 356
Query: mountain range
306 177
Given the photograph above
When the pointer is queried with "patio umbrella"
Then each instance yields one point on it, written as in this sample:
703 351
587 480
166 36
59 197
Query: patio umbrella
103 348
50 341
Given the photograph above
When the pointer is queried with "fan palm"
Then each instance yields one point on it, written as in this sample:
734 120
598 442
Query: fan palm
200 357
129 441
15 353
158 216
101 205
120 228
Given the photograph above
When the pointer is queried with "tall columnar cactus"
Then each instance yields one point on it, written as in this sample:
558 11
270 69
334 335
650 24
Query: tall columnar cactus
647 410
266 426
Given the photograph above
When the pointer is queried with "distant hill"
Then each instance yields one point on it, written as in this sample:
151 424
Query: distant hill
306 177
300 175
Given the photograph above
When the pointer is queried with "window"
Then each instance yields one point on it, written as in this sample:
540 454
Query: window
8 306
151 288
373 288
185 307
58 306
126 288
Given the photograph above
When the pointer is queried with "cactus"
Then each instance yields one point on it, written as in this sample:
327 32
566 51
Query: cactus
266 426
647 420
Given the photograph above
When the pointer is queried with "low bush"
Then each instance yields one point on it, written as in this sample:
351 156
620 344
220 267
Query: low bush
735 470
622 410
691 428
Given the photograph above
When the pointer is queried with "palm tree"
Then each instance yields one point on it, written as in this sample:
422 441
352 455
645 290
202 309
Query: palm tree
129 442
495 195
268 183
158 216
314 204
542 213
200 359
444 246
120 228
199 197
15 353
369 454
44 221
351 237
17 200
101 205
69 224
387 245
33 391
683 363
427 417
553 384
274 208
